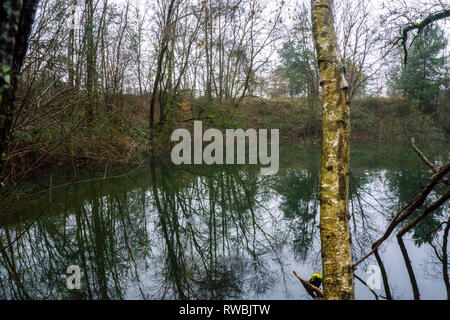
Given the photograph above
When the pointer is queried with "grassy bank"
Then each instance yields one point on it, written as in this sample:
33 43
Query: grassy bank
384 120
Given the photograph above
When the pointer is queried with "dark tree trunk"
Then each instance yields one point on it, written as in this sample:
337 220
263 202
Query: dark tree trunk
15 29
162 53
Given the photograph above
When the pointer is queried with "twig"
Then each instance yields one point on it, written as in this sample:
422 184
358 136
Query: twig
371 290
27 228
83 181
194 119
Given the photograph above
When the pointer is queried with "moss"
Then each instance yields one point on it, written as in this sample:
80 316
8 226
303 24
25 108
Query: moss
316 276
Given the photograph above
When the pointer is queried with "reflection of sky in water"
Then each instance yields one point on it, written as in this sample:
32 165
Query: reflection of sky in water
137 253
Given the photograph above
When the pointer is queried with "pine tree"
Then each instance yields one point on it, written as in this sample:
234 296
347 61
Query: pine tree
420 79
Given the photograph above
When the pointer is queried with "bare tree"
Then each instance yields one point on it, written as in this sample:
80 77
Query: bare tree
167 20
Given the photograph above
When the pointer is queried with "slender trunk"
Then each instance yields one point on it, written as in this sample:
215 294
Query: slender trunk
139 71
162 53
208 58
334 214
91 63
70 57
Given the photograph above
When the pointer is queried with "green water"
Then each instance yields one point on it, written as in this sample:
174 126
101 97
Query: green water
206 232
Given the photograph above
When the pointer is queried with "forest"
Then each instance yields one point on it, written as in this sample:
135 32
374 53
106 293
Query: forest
92 91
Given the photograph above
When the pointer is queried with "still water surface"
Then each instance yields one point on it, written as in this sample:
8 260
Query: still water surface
205 232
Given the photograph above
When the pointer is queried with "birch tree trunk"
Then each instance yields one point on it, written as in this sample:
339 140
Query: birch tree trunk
334 215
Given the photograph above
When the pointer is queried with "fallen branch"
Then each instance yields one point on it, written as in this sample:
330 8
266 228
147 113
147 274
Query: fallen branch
411 225
415 203
428 162
387 289
435 205
409 268
312 290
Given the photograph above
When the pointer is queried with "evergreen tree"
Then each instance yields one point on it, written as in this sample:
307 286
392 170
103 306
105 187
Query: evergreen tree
421 78
298 59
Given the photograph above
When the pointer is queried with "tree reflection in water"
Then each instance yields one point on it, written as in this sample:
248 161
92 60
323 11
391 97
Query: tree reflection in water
210 233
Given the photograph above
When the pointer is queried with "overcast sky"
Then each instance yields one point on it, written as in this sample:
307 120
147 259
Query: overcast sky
377 8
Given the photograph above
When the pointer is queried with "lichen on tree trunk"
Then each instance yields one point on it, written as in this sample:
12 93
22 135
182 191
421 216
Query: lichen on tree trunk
334 214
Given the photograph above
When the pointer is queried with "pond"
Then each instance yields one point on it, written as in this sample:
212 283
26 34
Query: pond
216 232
